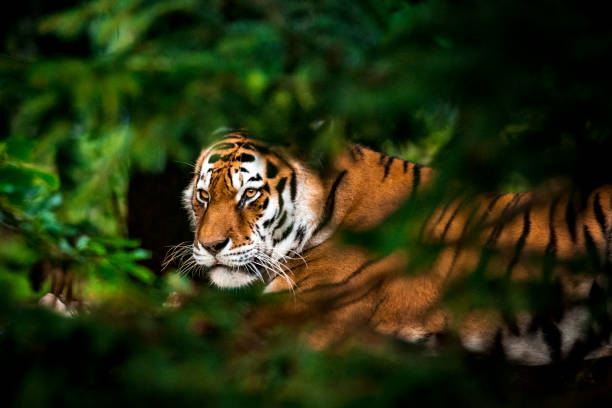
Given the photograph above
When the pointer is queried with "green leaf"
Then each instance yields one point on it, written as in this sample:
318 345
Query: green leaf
82 242
140 254
141 273
20 147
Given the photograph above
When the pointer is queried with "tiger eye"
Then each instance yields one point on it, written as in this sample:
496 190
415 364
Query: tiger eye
203 196
250 193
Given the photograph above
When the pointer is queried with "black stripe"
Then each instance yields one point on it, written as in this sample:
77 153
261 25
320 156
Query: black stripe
214 181
293 185
229 175
271 169
300 234
267 223
280 187
381 158
266 188
242 169
599 215
520 244
330 203
489 209
450 220
299 282
500 223
468 222
460 241
256 178
376 307
458 249
405 166
442 213
570 218
429 226
248 146
245 157
265 203
285 234
551 248
214 158
281 220
388 166
416 177
552 337
590 245
343 281
338 305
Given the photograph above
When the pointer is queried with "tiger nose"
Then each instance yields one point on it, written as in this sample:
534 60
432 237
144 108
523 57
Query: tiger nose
215 247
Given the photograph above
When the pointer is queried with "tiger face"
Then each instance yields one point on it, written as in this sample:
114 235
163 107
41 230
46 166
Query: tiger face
249 211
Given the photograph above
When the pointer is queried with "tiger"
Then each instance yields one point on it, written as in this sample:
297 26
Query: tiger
260 214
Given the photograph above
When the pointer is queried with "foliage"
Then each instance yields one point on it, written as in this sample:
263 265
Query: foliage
496 95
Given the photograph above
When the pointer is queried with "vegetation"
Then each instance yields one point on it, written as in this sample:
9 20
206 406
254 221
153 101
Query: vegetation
103 104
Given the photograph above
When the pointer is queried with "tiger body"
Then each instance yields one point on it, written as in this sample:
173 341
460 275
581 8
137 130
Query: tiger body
261 215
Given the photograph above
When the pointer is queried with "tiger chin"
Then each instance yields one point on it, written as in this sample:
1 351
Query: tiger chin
259 214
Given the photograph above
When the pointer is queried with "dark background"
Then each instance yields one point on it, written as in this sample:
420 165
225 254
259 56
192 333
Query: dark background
104 106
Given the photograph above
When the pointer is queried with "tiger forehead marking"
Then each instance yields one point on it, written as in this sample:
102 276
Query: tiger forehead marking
232 163
248 211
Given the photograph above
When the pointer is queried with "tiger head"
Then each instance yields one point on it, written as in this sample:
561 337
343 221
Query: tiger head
250 208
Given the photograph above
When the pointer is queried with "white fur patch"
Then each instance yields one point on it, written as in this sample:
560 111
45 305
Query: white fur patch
412 333
527 349
573 328
475 343
225 277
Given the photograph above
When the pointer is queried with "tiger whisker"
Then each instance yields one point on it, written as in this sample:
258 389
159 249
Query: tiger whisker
278 272
256 271
188 266
278 268
285 257
278 263
175 252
